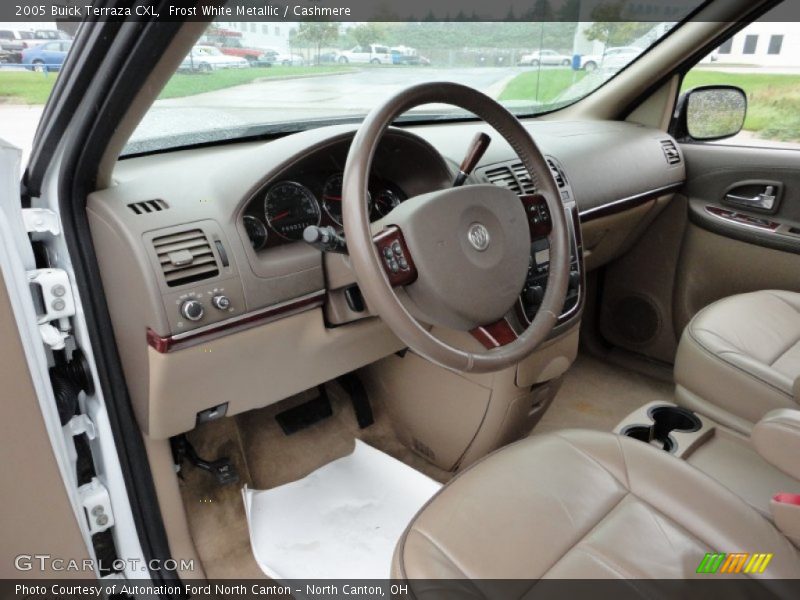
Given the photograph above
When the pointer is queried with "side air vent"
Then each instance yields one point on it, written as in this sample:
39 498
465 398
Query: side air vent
148 206
671 152
558 174
185 257
504 177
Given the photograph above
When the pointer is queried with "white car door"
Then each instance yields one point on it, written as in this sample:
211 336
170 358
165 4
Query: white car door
58 510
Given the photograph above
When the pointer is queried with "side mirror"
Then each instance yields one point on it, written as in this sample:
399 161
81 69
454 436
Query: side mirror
709 113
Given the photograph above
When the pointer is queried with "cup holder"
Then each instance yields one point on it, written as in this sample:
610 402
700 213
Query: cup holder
666 419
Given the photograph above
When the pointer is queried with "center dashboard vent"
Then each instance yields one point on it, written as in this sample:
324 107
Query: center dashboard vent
185 257
513 176
671 152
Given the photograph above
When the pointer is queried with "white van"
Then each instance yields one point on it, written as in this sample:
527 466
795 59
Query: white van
373 53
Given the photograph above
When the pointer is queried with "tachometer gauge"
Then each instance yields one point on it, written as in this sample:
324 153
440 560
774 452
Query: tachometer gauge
289 208
256 231
332 198
386 201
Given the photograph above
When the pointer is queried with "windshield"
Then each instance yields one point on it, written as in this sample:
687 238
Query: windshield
301 75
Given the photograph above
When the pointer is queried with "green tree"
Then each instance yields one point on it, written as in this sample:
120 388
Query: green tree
367 33
542 11
317 34
569 11
611 28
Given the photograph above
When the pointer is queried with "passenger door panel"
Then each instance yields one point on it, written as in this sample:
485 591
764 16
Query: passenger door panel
718 176
715 248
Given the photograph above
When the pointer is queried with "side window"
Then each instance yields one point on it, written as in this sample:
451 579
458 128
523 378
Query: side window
763 59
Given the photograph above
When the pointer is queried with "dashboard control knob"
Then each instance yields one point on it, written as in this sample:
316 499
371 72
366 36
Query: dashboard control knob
221 302
574 279
192 310
534 295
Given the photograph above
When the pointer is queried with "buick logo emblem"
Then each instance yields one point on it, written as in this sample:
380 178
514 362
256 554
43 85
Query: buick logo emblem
478 236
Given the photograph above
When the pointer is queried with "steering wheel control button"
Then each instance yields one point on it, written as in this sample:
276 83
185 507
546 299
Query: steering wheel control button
478 236
221 302
192 310
397 264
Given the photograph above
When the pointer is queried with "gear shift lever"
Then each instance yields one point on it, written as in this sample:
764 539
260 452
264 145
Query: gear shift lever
477 149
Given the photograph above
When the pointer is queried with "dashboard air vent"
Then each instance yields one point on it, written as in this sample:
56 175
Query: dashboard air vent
185 257
671 152
523 178
148 206
504 177
558 174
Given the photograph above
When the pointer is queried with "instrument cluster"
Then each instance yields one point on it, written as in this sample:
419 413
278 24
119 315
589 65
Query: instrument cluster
279 213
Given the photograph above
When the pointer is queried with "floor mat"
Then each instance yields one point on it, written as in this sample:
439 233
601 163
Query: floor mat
341 521
598 395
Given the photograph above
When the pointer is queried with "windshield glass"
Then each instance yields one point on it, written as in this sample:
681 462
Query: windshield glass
291 76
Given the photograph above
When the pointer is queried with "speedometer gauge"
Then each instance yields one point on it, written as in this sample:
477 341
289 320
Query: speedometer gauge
289 208
332 198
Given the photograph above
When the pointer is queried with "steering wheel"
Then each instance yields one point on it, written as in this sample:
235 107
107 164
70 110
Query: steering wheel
456 258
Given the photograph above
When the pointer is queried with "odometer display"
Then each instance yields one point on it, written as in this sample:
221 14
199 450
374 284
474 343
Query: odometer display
289 208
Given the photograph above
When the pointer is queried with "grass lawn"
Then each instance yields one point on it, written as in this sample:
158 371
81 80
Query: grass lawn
25 87
773 100
773 110
542 86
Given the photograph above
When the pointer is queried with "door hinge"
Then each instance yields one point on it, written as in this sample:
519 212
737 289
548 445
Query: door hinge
80 424
96 504
41 220
57 302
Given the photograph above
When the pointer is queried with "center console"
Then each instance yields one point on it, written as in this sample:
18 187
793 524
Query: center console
721 453
514 176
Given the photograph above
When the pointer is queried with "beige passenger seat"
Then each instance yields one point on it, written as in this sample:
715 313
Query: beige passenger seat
739 358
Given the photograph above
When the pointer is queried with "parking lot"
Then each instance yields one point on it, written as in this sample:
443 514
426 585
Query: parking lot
311 96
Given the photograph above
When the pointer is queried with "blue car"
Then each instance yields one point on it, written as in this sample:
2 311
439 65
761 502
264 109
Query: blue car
46 57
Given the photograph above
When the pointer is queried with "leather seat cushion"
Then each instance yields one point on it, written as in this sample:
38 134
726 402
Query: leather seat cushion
739 357
582 504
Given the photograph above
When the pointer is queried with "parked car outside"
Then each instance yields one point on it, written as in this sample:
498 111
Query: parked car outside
403 55
45 35
327 58
48 56
210 58
611 59
376 54
272 57
545 57
234 47
14 41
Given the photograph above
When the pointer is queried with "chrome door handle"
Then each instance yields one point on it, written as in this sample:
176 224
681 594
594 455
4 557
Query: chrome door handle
764 201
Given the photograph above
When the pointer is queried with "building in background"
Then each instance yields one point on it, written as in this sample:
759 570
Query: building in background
764 44
273 36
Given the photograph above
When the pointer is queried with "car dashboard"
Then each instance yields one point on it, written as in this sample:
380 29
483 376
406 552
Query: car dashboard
205 271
